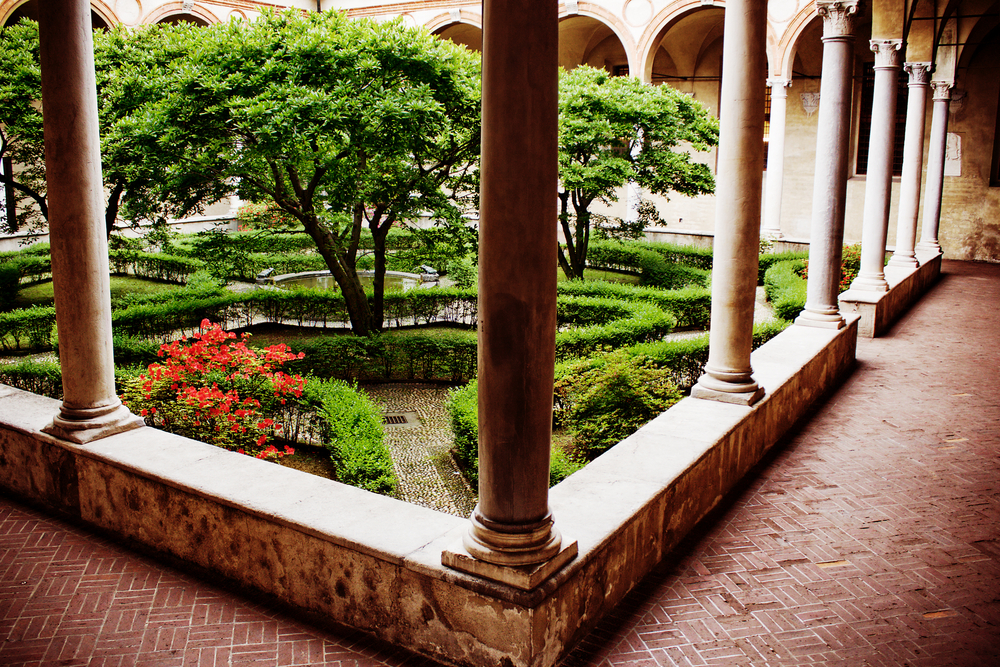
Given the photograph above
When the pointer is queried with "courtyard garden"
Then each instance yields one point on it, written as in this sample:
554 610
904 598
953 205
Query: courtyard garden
278 374
355 146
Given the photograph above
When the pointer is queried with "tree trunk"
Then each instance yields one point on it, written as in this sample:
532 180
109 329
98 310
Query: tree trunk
379 234
566 256
111 212
342 270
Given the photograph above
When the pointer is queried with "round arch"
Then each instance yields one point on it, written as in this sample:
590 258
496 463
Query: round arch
598 26
466 29
709 14
103 16
176 11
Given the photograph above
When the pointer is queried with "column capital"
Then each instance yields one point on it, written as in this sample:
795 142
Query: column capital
942 89
779 86
887 52
838 17
920 73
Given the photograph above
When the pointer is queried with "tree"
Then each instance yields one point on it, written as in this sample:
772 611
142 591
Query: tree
129 65
340 123
21 125
613 130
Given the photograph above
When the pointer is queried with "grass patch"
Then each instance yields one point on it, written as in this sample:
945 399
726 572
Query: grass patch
41 294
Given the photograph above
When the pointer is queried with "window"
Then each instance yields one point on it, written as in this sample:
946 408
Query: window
620 70
767 120
865 120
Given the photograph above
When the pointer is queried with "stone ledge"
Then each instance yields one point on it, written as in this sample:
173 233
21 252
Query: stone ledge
374 563
880 310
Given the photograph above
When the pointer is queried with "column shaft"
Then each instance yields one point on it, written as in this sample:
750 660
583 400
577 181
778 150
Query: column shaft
80 274
878 185
511 525
738 197
913 159
935 167
826 237
775 158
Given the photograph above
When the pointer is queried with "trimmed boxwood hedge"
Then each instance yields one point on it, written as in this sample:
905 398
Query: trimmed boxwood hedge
27 327
785 289
768 260
641 258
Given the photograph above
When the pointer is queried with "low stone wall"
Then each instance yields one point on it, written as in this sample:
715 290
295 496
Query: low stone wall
880 310
374 563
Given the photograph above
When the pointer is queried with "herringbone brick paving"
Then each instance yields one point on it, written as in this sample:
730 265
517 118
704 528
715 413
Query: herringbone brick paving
871 536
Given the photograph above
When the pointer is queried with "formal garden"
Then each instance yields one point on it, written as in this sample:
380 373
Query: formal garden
274 373
354 146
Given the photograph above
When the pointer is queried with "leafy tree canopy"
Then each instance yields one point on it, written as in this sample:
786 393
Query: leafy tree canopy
130 66
340 123
613 130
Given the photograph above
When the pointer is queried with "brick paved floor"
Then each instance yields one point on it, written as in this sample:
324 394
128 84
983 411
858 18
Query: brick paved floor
870 537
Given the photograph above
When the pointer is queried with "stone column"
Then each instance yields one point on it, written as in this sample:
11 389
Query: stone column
826 236
913 160
738 197
775 158
935 167
878 186
512 538
80 274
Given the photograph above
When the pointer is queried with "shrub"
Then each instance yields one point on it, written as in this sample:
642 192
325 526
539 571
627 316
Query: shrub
31 327
463 412
766 261
350 426
607 401
785 289
216 391
651 265
39 377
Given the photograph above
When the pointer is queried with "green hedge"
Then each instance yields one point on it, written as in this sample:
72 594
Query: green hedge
350 426
653 269
447 356
767 260
699 258
39 377
692 306
27 327
785 289
463 414
157 266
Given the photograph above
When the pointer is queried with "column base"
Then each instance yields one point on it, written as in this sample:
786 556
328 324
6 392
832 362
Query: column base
821 320
929 247
737 397
83 426
870 284
523 577
903 261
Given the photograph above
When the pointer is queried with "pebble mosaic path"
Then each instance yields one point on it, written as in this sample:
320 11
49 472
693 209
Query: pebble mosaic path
870 537
427 474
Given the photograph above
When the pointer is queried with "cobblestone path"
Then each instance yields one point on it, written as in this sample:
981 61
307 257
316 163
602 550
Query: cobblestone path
426 471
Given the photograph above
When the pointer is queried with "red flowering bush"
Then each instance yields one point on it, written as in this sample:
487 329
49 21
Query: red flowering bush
849 266
217 390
